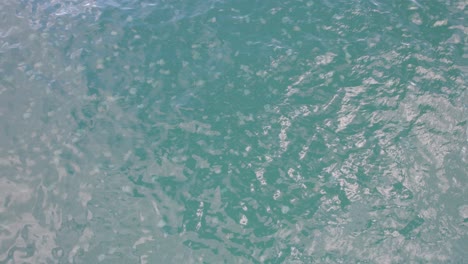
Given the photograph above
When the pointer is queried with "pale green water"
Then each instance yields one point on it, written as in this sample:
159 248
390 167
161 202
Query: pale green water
233 131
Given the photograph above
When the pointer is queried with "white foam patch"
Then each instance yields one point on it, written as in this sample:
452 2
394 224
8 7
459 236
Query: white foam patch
259 175
325 59
463 211
243 221
142 240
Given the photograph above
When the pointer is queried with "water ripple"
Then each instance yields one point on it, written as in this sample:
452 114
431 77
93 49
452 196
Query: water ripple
138 132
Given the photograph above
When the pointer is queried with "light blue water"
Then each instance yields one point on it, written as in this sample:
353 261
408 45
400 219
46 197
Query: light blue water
233 131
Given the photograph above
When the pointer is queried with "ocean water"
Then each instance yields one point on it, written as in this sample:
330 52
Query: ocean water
202 131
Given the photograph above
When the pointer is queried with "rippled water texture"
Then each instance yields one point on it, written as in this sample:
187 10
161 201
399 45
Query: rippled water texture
233 131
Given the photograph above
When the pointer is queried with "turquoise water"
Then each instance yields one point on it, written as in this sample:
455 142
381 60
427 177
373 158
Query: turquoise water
233 131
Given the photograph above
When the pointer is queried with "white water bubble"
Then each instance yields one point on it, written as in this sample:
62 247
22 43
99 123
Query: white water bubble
127 189
416 19
277 194
243 220
440 23
161 223
463 211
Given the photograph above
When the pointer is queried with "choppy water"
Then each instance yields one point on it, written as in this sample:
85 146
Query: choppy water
233 131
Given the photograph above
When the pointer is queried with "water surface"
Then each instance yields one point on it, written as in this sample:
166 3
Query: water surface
233 131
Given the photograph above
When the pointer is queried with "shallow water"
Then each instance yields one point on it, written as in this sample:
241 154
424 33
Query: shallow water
233 132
